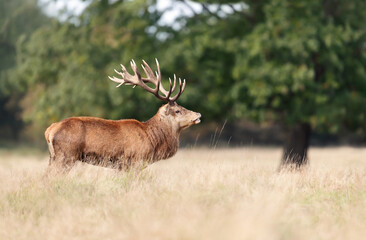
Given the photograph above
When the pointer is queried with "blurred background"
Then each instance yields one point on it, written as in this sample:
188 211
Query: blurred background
260 72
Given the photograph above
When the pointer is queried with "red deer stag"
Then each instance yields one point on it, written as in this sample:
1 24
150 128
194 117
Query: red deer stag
122 143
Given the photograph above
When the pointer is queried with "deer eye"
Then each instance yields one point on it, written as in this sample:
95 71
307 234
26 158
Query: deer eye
177 111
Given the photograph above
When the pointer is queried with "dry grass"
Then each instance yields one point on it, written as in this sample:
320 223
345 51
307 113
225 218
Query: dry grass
199 194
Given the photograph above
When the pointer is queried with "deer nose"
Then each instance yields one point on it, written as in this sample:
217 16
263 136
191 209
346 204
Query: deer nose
197 120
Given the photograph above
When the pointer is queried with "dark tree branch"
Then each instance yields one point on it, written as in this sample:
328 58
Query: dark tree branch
247 16
206 8
189 6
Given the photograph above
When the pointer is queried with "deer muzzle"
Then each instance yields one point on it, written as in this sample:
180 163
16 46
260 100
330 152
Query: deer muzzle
197 120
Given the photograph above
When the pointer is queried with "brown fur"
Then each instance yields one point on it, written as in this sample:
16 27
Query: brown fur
118 144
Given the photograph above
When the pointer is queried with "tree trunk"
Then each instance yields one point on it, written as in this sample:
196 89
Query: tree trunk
296 146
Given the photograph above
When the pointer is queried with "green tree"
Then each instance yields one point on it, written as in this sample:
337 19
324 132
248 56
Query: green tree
299 63
66 65
18 19
304 65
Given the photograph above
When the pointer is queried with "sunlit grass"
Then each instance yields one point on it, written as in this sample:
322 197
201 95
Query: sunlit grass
198 194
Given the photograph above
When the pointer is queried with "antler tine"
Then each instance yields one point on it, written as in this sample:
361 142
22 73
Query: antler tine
158 66
174 83
149 73
181 89
123 68
135 69
114 80
170 89
154 78
158 79
117 80
123 74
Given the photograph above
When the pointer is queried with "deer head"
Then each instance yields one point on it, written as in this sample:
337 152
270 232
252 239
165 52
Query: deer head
179 116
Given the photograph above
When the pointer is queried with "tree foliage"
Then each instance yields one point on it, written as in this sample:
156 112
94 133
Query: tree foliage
305 62
67 65
272 60
18 19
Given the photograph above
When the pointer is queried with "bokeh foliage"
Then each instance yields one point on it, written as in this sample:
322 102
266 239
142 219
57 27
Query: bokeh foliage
66 65
18 20
305 62
273 60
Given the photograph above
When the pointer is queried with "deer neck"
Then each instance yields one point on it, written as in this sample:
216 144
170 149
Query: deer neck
163 136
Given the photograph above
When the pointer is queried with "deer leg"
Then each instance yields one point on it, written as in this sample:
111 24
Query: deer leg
124 164
62 162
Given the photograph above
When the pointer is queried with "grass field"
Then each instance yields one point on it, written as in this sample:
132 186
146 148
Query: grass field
198 194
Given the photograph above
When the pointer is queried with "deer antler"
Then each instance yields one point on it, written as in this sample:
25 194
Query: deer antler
155 79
